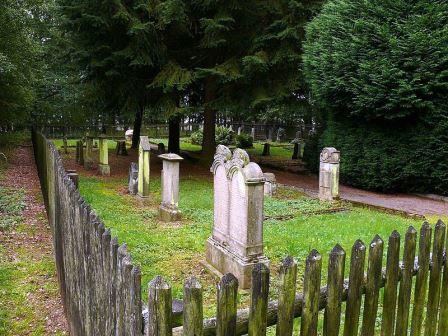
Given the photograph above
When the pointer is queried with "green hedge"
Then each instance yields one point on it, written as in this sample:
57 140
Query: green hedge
389 158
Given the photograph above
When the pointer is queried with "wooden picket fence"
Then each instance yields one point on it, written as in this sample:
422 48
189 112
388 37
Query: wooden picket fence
101 288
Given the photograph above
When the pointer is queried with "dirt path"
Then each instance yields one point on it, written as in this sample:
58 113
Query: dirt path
33 305
400 202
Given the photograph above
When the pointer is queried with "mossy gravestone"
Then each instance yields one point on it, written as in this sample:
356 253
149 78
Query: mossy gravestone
329 174
88 158
144 160
236 244
103 166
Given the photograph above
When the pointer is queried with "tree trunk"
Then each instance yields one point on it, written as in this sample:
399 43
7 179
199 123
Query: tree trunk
208 141
137 127
174 135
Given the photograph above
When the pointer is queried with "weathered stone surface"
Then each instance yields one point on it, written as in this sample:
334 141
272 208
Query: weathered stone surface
121 148
329 174
88 158
236 244
270 185
103 166
133 179
280 134
144 157
169 209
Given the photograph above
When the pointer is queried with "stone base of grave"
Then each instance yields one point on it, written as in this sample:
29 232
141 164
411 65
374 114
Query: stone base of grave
168 214
142 199
104 170
220 260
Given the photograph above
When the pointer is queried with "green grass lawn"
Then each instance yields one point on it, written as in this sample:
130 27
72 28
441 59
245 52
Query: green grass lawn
175 251
185 144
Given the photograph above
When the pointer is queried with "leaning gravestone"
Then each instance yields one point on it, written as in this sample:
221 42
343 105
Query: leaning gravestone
103 165
169 209
133 178
236 244
329 174
144 157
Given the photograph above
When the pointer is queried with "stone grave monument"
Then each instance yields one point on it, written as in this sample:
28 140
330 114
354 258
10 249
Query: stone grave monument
144 160
266 149
88 157
236 244
121 148
169 209
133 178
161 148
270 186
329 174
103 165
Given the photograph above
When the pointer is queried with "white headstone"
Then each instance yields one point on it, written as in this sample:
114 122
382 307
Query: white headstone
329 174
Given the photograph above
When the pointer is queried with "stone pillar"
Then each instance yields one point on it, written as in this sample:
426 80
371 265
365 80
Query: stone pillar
280 134
252 133
270 133
240 130
88 158
133 179
103 166
169 209
329 174
80 152
144 160
236 245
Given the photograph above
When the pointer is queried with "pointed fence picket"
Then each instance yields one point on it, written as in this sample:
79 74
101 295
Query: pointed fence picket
101 287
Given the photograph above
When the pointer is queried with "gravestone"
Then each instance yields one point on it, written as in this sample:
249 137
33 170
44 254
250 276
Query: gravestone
121 148
329 174
252 133
270 133
266 149
280 134
295 154
79 152
103 165
240 130
169 209
161 148
236 244
74 177
65 145
270 185
133 178
144 159
88 159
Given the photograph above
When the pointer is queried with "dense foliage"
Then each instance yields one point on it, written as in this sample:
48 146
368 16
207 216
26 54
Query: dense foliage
380 71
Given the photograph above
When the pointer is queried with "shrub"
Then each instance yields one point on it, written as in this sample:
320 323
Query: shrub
379 59
244 140
223 136
196 137
379 71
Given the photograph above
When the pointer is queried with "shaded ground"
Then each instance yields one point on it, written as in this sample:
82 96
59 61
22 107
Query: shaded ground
29 299
401 202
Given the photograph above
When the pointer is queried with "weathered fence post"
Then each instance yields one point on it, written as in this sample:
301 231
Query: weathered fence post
193 314
336 265
159 308
259 300
311 292
227 299
286 297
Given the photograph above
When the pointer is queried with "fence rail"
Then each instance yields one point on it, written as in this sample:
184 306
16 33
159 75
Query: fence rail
101 288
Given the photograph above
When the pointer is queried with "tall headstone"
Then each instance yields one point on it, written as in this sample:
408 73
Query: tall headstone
103 165
329 174
236 244
121 148
270 133
252 133
169 209
80 152
280 134
133 179
240 130
295 154
88 158
144 159
65 145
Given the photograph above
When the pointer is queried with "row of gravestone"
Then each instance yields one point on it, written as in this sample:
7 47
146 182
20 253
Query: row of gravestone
236 244
239 187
